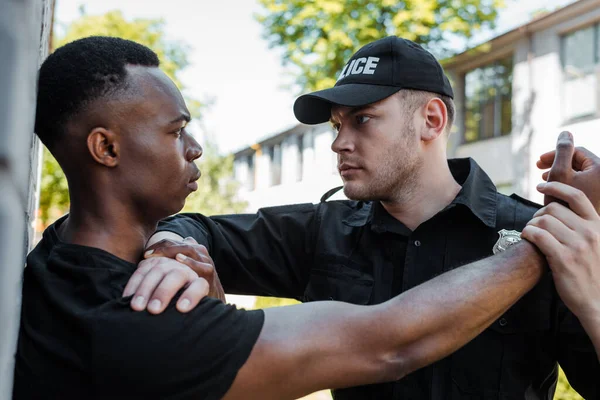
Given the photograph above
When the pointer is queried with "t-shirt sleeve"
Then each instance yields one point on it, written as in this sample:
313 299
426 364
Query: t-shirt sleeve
172 355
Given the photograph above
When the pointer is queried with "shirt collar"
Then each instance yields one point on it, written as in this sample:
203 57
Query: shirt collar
477 193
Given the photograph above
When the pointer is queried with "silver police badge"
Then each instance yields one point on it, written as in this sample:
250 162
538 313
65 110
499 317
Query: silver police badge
507 239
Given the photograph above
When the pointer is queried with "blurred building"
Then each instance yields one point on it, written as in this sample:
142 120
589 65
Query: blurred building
514 94
293 166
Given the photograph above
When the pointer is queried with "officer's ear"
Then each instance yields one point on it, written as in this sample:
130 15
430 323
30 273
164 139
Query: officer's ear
103 146
436 119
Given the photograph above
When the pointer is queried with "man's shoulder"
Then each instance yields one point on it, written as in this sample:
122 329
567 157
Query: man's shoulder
516 201
514 210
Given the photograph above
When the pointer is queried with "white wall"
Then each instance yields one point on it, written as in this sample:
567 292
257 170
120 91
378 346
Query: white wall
319 172
538 113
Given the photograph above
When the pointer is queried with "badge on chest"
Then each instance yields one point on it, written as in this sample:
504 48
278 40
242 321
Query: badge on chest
507 239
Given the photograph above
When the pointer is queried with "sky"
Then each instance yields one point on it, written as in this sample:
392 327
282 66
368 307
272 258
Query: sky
232 66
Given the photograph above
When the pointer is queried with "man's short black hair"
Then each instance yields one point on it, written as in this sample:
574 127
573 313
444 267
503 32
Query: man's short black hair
80 72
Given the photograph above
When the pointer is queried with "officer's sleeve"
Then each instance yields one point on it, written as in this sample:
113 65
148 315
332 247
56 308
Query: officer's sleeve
269 253
172 355
576 354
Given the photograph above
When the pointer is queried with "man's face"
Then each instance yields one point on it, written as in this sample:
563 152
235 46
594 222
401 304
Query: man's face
157 155
377 148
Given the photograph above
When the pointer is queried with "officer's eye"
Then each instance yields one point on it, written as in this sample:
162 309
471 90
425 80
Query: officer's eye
362 119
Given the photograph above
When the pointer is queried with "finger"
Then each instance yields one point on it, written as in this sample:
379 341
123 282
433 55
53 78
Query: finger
165 243
136 279
580 156
561 213
546 160
190 298
201 269
190 239
555 227
146 288
168 287
561 167
583 158
545 175
193 251
544 241
575 198
204 251
159 236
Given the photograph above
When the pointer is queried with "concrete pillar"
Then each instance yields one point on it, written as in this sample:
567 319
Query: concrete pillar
25 28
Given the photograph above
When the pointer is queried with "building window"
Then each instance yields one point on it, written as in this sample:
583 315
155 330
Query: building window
300 145
580 62
275 164
488 108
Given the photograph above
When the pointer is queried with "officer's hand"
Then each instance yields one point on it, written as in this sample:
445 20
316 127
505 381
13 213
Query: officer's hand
577 167
158 279
570 240
201 262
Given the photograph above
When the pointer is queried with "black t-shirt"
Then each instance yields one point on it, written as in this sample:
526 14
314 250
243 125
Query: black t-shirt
79 339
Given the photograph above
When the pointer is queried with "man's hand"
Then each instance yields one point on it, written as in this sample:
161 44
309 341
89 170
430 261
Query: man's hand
158 279
570 240
187 249
169 266
577 167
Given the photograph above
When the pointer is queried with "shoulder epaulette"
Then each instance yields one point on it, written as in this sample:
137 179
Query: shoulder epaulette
525 201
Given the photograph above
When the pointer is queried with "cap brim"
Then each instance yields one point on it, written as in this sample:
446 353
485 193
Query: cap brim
315 108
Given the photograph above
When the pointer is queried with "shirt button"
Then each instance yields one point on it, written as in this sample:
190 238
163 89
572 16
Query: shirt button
417 243
502 321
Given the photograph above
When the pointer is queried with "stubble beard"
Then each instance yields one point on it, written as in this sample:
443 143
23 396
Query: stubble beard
396 178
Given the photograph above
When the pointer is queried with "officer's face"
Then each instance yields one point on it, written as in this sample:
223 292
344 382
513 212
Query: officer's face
377 148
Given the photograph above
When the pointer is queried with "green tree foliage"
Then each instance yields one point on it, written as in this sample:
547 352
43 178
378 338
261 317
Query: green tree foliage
267 302
54 193
54 196
564 391
318 36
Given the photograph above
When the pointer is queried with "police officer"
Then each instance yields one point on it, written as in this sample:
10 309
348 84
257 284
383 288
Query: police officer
413 215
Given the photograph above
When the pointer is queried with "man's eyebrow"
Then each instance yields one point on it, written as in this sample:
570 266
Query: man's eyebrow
181 118
355 110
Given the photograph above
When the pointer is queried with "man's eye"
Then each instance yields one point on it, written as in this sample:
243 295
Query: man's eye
362 119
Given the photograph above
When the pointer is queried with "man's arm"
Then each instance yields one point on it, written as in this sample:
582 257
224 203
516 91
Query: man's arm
322 345
266 254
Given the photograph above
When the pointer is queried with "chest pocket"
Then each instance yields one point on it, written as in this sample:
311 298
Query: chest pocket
340 279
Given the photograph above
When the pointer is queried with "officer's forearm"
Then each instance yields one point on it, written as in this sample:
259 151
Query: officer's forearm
445 313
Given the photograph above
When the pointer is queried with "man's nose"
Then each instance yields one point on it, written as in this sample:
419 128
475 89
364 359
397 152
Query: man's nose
343 142
194 150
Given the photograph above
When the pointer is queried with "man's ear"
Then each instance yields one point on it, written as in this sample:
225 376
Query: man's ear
436 119
103 146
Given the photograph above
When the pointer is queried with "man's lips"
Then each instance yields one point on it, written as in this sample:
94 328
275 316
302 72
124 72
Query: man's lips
348 169
192 184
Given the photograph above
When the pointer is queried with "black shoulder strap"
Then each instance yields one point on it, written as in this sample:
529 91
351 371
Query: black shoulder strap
330 193
506 212
513 212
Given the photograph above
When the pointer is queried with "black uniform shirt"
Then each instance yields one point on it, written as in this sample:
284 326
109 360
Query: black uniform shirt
356 252
79 339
